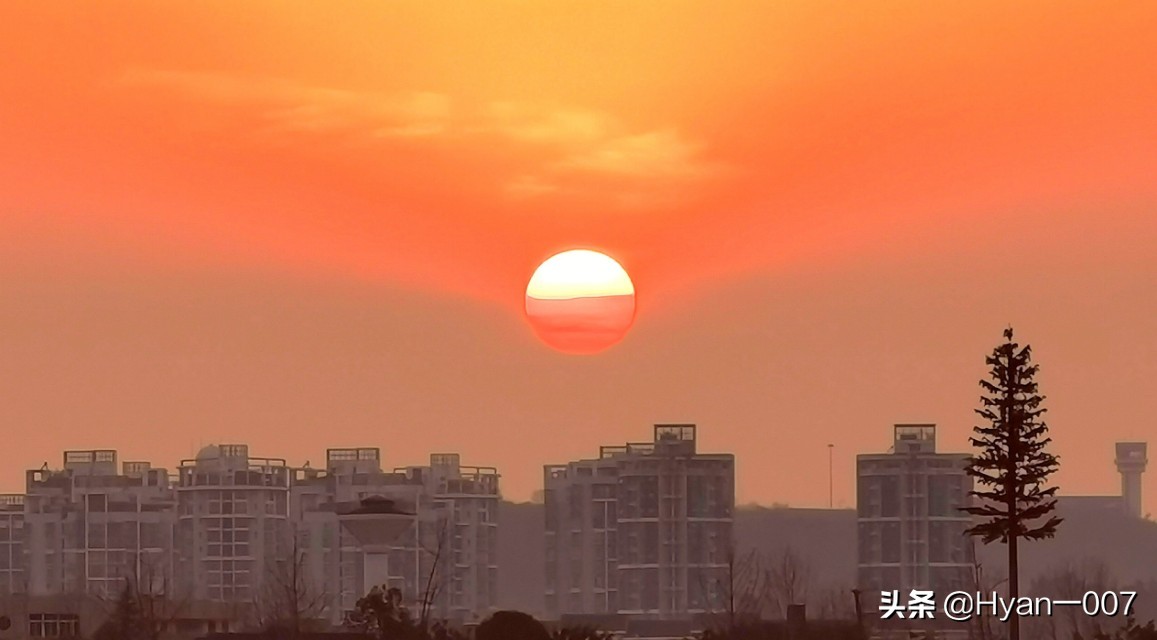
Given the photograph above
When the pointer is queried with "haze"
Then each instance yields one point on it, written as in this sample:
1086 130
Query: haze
305 225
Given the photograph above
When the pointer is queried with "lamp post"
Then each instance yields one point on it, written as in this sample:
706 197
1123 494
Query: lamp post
831 492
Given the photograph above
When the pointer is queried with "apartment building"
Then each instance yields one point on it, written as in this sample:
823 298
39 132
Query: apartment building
910 527
333 558
91 525
232 523
448 558
12 560
644 529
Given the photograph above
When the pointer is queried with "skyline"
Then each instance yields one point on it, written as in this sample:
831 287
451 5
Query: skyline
388 464
303 226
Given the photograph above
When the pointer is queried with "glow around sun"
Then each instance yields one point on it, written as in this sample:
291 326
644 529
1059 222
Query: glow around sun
580 301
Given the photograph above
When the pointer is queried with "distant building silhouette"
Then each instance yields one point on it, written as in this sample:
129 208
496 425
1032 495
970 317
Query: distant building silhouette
910 529
643 530
1131 463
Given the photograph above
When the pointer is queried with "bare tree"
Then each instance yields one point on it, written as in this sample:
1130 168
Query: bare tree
147 604
980 625
742 589
787 576
291 602
1070 581
834 603
434 578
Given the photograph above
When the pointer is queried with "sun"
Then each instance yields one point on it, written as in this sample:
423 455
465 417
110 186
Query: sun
580 301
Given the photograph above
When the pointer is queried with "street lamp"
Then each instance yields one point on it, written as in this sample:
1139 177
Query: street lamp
831 492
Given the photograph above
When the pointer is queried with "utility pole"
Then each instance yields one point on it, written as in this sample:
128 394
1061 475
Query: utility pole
831 492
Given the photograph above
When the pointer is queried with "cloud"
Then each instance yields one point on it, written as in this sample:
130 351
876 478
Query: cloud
594 154
654 154
534 125
568 151
531 186
298 107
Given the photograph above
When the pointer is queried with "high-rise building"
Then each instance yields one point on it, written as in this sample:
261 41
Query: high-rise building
236 526
232 523
12 558
1131 463
911 528
333 558
458 530
446 562
644 530
90 526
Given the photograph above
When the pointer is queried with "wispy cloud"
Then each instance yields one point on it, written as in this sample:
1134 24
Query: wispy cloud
592 151
298 107
662 154
573 151
536 125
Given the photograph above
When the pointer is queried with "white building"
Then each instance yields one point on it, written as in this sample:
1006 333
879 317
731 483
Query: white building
448 558
233 523
644 530
911 528
229 526
332 558
90 526
12 559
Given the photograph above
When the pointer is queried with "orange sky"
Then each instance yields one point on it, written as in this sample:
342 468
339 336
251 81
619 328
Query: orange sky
248 220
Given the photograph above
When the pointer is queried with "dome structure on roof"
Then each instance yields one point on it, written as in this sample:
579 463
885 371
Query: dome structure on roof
209 452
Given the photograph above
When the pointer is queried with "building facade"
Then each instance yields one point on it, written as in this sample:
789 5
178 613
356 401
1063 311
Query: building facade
232 524
644 530
12 558
90 526
910 526
229 527
446 563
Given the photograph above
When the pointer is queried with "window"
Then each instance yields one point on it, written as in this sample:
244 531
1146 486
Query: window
53 625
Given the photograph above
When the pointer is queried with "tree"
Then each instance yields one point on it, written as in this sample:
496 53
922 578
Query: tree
432 588
1071 581
980 625
739 593
126 621
383 614
1012 467
291 603
146 605
787 579
581 633
1131 631
511 625
835 603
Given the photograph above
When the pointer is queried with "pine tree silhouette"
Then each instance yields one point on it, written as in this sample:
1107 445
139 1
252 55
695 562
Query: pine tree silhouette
1012 467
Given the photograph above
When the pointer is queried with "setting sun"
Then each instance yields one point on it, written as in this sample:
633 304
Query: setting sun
580 301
